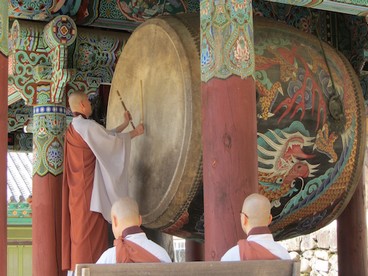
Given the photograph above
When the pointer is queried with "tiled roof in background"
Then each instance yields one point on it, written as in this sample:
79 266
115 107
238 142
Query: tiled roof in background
19 176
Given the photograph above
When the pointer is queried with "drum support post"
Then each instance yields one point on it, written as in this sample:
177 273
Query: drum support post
194 251
352 235
230 168
229 133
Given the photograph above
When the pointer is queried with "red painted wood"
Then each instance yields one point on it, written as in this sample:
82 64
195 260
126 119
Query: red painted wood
352 235
230 168
3 154
46 225
194 251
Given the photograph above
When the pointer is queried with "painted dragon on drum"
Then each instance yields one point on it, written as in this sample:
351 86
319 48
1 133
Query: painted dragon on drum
307 130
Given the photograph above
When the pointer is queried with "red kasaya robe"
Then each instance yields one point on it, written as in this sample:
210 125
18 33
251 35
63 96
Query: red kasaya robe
250 250
130 252
84 233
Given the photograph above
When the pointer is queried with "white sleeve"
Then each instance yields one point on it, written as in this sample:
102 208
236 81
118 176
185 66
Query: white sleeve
275 248
108 257
100 140
156 250
231 255
112 151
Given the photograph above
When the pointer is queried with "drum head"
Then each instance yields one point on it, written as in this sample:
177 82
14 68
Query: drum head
165 161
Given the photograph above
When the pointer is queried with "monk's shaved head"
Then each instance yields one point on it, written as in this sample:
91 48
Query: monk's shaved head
125 208
75 100
79 103
257 208
124 213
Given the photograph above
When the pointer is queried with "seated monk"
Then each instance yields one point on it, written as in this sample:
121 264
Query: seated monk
259 245
131 244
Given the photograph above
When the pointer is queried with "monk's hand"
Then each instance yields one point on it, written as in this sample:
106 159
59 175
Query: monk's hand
127 117
121 127
139 130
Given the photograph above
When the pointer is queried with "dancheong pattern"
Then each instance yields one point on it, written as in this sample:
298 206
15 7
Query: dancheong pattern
48 139
226 39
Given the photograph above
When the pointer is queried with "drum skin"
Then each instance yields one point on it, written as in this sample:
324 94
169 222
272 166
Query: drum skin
165 163
311 127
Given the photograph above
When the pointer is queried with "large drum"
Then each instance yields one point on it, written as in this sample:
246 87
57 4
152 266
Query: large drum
311 126
165 164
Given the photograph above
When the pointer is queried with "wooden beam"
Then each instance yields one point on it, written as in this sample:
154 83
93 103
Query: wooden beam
341 6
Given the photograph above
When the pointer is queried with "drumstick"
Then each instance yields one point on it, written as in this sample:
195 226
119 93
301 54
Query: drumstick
122 102
142 118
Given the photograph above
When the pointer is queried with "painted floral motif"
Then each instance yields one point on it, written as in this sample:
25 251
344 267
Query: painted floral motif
221 17
36 158
49 123
296 16
241 52
141 10
24 142
206 13
30 9
18 115
229 38
93 52
239 11
54 155
4 29
206 54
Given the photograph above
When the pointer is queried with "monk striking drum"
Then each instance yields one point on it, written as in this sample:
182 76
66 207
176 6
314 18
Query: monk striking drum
95 175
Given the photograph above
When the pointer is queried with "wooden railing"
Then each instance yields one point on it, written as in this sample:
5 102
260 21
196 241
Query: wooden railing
258 268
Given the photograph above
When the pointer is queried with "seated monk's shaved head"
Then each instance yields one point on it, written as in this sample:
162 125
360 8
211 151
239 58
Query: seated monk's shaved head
257 209
75 100
124 213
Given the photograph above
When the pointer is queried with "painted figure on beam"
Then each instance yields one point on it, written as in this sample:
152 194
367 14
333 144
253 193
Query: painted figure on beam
95 176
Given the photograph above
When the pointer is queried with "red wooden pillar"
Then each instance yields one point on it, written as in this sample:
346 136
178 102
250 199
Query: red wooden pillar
194 251
352 235
46 225
49 124
229 126
3 154
48 133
